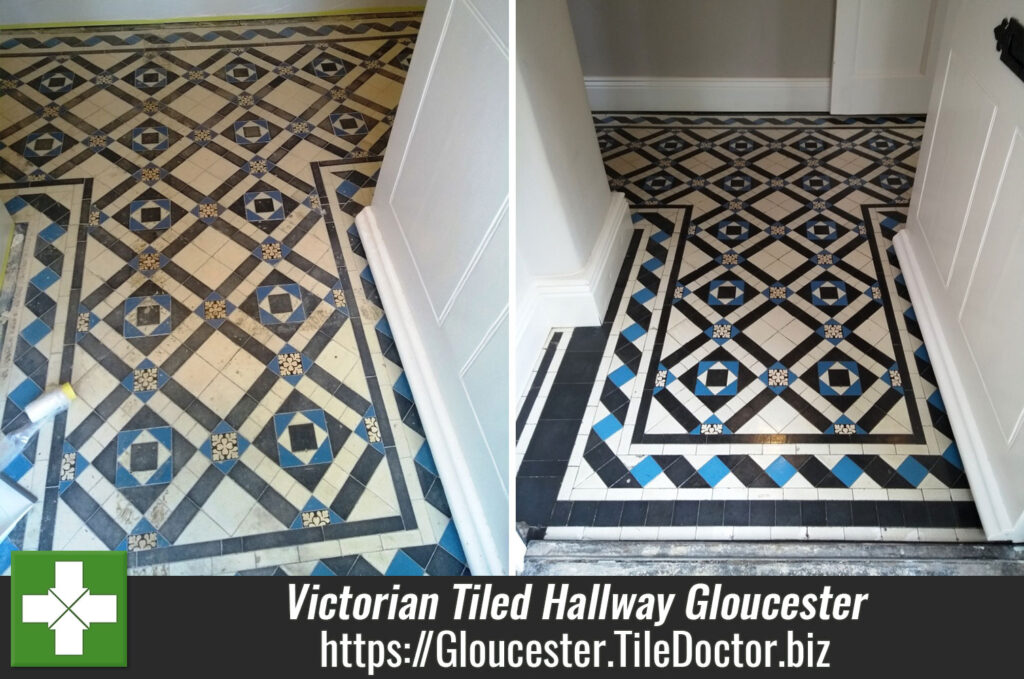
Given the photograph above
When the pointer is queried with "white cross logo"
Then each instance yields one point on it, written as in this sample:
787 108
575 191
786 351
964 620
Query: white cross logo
68 608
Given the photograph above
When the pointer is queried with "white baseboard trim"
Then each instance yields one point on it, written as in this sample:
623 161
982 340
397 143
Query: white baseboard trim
484 554
943 348
708 94
577 299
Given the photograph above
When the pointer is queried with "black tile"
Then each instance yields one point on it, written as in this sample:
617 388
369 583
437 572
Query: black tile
737 513
263 205
552 440
149 215
787 513
578 367
762 513
566 402
864 513
941 514
583 513
148 314
966 515
444 564
659 513
812 513
608 514
560 514
838 513
590 340
685 513
717 377
890 514
915 514
280 303
634 513
302 437
535 498
711 513
143 456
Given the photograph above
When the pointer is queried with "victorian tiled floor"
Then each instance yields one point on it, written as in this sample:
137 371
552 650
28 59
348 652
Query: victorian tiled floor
760 373
192 268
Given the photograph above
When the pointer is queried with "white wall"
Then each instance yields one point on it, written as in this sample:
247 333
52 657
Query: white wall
17 12
705 38
436 237
570 236
705 55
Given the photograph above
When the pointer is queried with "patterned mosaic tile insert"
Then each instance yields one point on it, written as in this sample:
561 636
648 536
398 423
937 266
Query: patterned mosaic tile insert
242 403
763 361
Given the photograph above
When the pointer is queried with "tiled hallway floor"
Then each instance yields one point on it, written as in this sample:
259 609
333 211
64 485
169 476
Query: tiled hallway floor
192 268
760 373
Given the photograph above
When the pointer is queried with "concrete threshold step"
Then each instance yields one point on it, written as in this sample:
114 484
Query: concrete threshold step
600 557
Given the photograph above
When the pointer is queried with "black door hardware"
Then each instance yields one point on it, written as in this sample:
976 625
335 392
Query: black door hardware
1010 43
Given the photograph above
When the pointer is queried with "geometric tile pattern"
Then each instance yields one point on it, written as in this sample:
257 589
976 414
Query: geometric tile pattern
240 395
762 347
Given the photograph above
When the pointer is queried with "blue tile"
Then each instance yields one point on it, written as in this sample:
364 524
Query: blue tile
17 467
913 471
402 386
35 331
452 544
24 393
633 332
952 456
646 470
425 459
780 471
6 548
52 233
348 189
15 204
713 471
402 564
606 427
321 569
621 375
643 296
847 471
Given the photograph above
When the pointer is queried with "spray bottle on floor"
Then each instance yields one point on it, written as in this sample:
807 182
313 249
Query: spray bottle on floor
39 412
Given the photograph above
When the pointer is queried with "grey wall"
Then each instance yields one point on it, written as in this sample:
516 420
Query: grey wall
704 38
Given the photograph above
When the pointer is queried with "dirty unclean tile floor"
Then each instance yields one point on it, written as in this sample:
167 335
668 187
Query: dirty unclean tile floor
190 264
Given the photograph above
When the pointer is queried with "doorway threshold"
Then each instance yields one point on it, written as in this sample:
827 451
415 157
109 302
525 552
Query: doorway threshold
695 558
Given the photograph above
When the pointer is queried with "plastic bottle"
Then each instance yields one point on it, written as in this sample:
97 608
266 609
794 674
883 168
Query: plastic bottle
39 412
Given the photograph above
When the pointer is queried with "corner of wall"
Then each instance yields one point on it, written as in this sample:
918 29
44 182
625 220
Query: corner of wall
575 300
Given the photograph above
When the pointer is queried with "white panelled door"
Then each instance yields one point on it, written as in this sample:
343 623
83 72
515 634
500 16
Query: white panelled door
883 58
962 254
436 238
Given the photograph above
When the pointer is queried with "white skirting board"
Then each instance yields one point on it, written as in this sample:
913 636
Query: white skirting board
708 94
578 299
478 538
961 392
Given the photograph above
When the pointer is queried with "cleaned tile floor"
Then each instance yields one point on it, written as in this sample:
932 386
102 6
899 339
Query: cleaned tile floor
760 373
192 268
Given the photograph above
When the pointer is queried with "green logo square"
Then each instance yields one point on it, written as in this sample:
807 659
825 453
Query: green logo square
69 609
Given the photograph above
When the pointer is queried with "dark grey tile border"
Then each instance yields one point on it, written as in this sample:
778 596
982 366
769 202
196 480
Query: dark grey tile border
547 453
538 381
768 513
